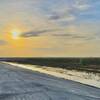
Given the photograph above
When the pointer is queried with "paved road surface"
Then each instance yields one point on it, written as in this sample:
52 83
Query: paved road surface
20 84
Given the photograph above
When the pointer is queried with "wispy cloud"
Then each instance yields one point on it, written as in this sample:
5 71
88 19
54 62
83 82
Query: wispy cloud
62 18
75 36
37 33
82 4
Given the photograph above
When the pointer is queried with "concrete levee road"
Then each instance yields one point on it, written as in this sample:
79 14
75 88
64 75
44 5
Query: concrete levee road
21 84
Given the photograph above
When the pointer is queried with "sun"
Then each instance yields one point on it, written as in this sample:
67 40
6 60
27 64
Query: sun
15 33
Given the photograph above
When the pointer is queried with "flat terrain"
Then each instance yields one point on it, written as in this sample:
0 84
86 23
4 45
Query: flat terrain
79 64
21 84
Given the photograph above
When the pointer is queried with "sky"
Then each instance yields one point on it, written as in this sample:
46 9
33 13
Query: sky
49 28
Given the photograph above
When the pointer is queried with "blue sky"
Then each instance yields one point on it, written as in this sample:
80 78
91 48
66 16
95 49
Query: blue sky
62 28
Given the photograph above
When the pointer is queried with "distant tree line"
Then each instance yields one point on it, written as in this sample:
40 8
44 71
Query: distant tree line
77 61
89 64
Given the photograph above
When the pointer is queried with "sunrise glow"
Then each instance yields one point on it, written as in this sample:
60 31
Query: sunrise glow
15 33
49 28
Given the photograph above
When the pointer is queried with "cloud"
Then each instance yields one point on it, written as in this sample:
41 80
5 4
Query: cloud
82 4
63 10
74 36
58 13
68 35
82 7
55 17
37 33
2 42
31 33
65 18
